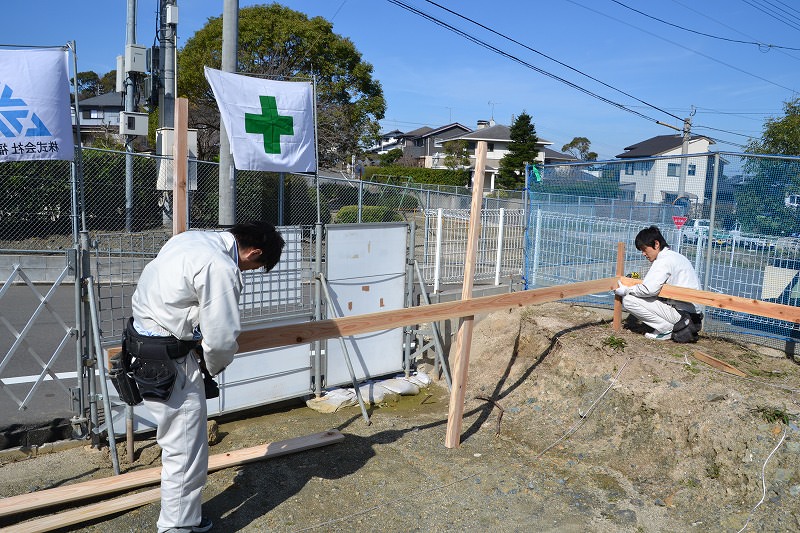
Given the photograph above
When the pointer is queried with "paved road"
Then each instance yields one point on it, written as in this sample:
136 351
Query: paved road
21 369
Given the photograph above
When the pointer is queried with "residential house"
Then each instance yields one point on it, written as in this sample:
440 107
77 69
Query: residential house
654 166
99 115
497 137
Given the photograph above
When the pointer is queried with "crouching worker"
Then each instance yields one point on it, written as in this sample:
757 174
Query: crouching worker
192 285
670 319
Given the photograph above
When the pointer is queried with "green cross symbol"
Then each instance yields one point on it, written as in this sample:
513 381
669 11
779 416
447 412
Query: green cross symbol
269 124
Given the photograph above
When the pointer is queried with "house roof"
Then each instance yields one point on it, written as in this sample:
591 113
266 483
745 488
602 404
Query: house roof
454 125
549 153
418 132
495 133
104 100
658 145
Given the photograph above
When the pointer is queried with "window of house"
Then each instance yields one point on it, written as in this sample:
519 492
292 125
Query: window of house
629 169
490 147
419 142
692 170
673 169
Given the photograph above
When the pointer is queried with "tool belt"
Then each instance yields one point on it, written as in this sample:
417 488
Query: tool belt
688 327
152 362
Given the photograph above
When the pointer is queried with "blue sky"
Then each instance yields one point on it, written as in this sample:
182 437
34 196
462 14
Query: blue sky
431 76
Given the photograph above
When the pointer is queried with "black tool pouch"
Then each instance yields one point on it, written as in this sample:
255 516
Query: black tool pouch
154 368
687 327
155 378
119 372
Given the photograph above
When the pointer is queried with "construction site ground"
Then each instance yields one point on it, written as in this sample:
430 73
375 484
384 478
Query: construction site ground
568 426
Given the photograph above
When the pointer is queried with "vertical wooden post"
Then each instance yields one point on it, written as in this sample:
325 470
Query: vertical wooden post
180 165
461 348
617 323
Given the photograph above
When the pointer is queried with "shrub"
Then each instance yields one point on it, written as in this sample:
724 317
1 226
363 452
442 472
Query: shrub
369 213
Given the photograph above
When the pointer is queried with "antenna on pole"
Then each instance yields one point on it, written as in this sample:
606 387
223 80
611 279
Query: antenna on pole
492 104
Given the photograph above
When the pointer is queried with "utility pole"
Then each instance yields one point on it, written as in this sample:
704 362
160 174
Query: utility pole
167 39
227 172
687 135
130 106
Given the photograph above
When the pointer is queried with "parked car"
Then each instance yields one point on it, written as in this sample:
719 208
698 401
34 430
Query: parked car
751 241
695 228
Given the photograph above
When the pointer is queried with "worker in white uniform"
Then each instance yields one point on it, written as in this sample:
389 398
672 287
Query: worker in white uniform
191 288
670 267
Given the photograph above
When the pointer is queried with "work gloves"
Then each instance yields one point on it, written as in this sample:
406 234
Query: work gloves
621 289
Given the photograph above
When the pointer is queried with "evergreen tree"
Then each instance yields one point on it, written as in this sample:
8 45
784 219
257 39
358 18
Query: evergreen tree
521 150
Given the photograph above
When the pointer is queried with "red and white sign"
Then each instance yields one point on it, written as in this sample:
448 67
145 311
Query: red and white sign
679 221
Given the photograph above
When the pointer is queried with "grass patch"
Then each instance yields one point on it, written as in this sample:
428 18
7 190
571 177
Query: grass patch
615 343
772 415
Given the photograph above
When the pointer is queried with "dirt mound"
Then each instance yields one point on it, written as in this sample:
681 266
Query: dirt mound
600 431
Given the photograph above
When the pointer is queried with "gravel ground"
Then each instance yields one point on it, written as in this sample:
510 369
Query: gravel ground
599 432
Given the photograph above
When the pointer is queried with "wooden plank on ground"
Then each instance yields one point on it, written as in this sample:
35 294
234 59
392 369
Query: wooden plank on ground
131 480
84 514
716 363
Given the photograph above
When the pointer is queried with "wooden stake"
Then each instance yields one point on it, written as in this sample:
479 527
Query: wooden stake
716 363
464 339
617 322
180 165
131 480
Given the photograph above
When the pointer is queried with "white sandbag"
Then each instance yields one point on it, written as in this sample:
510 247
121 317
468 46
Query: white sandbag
373 393
401 386
333 400
420 379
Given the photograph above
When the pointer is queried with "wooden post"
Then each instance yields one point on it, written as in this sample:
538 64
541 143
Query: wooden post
180 165
617 323
464 338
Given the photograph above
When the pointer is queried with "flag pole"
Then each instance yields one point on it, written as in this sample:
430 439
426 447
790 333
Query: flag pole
316 145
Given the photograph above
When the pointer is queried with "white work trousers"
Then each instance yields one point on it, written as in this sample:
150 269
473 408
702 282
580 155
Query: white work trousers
183 438
652 311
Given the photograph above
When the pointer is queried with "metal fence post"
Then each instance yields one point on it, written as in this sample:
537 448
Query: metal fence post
499 257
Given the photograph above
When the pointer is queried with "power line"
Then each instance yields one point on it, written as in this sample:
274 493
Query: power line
549 57
732 28
769 14
684 47
498 51
760 45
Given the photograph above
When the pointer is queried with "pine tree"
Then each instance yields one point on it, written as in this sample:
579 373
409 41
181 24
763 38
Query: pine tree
521 150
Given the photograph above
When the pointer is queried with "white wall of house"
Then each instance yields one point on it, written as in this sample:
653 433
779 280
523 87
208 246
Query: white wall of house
654 176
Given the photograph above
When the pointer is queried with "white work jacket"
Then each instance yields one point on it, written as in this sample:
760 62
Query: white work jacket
669 268
193 281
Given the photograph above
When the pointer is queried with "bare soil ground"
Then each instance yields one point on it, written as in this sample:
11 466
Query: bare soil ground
599 432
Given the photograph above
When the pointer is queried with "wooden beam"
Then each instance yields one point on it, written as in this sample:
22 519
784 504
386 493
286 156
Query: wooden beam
617 320
86 513
716 363
130 480
463 343
180 165
306 332
723 301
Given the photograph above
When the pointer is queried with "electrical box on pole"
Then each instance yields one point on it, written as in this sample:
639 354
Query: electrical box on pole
135 58
120 81
171 14
131 123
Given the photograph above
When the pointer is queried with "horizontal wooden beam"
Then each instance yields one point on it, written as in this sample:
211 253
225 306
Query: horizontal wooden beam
140 478
306 332
751 306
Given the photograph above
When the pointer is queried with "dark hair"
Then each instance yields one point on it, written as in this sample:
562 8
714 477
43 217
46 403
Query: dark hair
262 235
649 237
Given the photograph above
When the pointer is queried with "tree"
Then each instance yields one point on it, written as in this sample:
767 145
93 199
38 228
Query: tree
521 150
579 147
88 84
108 82
760 206
455 154
279 43
389 158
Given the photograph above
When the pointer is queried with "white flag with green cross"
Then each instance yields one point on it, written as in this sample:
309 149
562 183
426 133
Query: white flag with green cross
270 124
